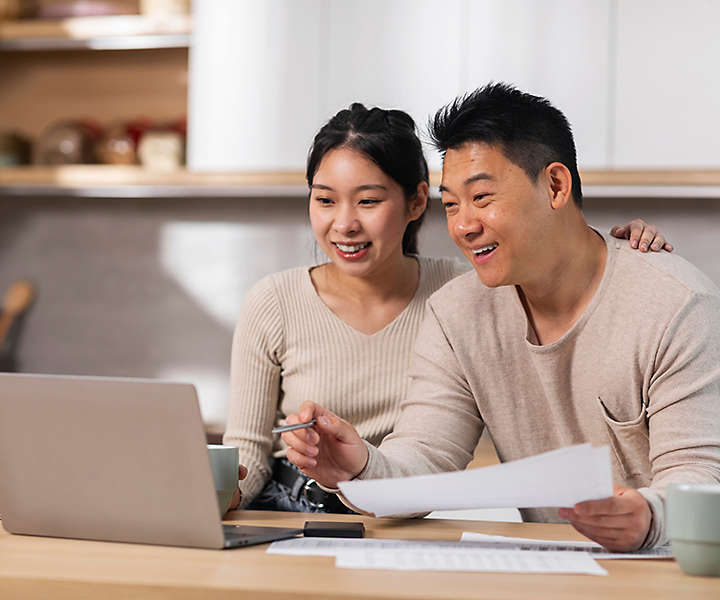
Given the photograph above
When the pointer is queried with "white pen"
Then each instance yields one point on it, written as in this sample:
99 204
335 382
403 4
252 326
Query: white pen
293 427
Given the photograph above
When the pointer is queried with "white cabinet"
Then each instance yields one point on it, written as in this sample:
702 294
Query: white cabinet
667 101
399 54
266 75
555 48
256 91
637 79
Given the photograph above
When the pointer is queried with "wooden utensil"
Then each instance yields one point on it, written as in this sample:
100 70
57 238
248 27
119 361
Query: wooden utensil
17 299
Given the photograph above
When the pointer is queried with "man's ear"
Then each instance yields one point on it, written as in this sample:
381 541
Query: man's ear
418 203
559 184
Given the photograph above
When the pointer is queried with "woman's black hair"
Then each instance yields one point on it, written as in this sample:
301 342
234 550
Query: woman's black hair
388 138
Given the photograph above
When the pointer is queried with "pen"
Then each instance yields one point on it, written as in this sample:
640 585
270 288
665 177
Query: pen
293 427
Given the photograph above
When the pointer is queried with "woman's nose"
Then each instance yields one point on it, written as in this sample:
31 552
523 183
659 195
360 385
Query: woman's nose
346 221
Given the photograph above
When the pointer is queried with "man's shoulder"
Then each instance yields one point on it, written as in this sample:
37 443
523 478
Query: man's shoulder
665 272
465 291
443 269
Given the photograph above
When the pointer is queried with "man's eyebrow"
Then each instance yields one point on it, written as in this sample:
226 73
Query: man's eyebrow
478 177
469 180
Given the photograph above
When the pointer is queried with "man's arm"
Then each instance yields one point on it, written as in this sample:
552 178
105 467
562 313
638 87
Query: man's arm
684 431
439 424
438 428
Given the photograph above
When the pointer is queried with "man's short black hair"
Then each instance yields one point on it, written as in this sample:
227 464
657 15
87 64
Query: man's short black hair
527 129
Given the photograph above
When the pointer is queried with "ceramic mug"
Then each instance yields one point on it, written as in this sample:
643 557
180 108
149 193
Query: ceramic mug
693 526
224 467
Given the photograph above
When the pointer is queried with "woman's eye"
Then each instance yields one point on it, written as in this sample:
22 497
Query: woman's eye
322 200
369 201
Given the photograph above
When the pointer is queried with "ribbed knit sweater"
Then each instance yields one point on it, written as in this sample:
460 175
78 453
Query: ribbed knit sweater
289 347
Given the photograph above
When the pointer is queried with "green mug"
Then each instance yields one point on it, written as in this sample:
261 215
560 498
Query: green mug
693 526
224 467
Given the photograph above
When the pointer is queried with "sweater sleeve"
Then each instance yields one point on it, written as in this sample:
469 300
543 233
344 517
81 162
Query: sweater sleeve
255 385
439 425
684 406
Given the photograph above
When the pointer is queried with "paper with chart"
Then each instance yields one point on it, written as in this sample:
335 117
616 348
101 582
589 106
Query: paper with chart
496 561
560 477
596 550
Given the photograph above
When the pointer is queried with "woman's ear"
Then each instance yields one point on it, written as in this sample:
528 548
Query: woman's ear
418 203
560 184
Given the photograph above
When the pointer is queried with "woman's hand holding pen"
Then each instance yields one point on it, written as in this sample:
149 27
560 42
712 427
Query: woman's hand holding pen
329 452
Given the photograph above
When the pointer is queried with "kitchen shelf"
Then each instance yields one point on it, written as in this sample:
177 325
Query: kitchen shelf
131 32
106 181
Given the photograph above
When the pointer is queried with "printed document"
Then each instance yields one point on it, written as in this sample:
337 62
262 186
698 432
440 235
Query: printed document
561 477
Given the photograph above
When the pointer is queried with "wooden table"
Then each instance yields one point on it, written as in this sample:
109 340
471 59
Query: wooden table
33 567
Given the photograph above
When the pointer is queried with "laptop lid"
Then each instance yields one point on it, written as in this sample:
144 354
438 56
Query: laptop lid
105 459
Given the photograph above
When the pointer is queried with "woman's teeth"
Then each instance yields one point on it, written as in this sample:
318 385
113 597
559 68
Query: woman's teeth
352 249
485 249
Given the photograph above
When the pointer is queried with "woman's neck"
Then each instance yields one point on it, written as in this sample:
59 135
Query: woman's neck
393 280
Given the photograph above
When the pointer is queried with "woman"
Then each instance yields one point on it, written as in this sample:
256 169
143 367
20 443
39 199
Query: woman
341 333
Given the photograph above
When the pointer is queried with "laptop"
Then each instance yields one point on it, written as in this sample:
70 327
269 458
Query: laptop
111 459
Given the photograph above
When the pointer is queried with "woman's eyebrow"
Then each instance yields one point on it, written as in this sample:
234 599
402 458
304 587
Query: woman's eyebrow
370 186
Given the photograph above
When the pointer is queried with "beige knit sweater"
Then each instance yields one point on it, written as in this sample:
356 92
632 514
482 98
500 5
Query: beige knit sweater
639 371
289 347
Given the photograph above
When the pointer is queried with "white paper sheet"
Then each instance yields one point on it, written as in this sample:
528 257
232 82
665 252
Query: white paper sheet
504 561
596 550
560 477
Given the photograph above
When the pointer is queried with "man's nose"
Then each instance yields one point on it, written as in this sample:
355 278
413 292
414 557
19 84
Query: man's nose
467 223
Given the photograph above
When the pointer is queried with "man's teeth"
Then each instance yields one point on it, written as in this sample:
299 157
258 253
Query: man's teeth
485 249
352 249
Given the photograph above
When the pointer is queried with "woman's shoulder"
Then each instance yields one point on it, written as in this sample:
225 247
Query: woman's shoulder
277 287
289 280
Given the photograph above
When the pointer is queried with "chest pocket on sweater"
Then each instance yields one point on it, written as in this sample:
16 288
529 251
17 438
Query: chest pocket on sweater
630 445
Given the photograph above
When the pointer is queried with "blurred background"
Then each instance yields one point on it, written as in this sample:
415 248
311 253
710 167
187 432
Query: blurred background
152 152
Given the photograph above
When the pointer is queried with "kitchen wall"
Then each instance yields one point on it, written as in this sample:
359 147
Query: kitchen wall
151 288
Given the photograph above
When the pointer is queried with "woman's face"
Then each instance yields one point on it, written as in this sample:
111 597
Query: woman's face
358 213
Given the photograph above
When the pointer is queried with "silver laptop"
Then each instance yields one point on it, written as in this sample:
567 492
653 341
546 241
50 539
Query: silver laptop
111 459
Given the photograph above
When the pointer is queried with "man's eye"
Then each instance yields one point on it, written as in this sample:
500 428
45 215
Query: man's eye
481 198
449 206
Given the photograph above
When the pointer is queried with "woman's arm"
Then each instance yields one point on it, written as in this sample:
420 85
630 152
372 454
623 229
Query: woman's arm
255 385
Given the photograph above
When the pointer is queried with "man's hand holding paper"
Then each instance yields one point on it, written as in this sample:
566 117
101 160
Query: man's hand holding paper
620 523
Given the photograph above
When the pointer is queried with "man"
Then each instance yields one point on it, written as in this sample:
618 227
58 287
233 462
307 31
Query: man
559 337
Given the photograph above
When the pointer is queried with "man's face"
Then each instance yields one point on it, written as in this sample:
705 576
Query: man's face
496 215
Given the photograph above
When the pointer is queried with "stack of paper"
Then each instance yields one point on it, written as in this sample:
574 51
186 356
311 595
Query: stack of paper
560 477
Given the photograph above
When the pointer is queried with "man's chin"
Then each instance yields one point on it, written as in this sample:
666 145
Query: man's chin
490 280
